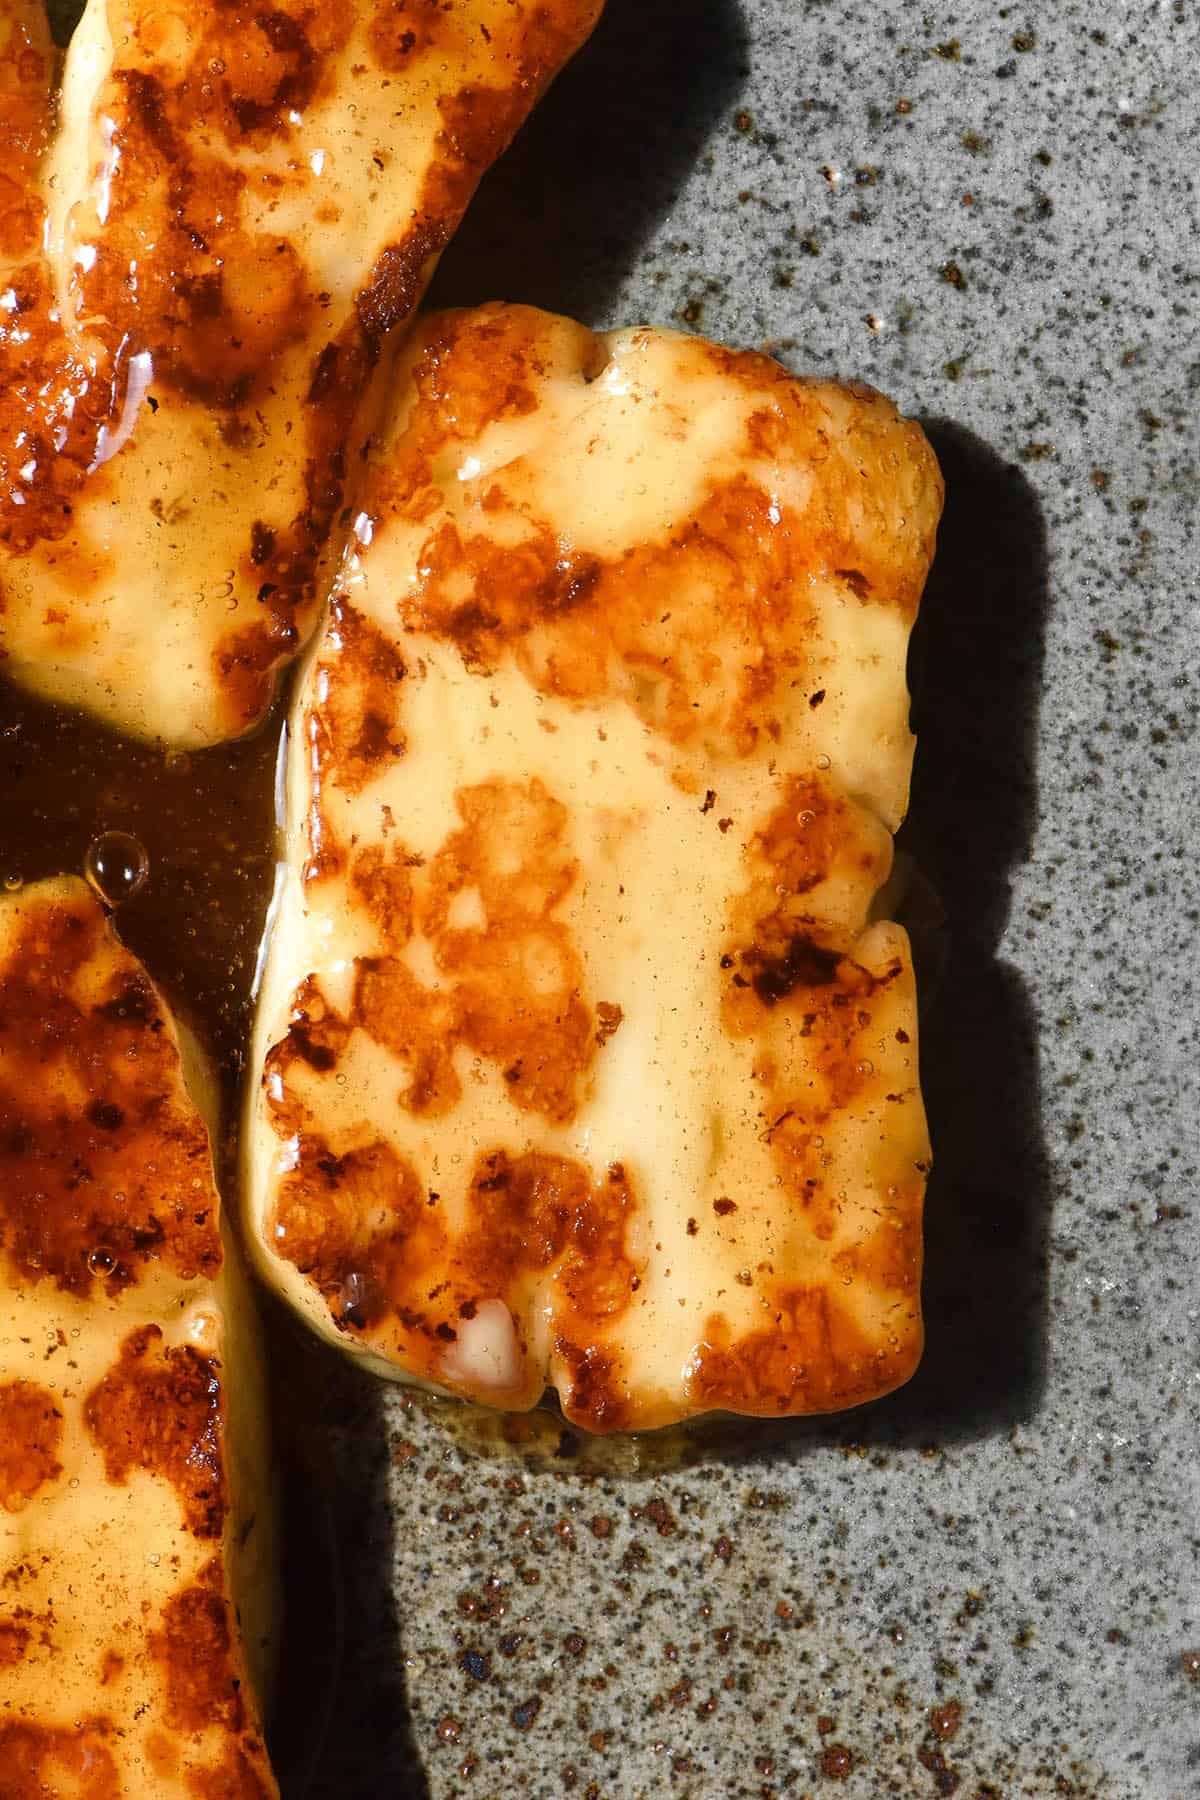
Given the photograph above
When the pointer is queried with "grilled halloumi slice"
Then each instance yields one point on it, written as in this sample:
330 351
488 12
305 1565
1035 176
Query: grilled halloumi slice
197 280
582 1057
136 1560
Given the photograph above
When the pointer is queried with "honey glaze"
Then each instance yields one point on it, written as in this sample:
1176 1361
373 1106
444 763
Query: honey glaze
77 799
208 229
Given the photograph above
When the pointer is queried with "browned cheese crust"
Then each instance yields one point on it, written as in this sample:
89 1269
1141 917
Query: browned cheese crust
583 1057
125 1539
197 279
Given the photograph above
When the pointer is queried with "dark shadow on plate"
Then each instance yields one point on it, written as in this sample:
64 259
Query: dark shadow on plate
341 1729
975 670
561 220
976 673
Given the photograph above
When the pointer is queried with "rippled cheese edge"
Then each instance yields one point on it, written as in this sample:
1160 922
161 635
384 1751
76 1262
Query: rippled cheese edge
654 463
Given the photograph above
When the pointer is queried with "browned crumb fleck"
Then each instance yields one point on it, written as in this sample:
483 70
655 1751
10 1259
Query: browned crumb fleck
836 1762
608 1018
945 1720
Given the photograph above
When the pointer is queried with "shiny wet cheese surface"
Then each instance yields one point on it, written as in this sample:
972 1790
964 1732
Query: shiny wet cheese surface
582 1058
199 272
135 1515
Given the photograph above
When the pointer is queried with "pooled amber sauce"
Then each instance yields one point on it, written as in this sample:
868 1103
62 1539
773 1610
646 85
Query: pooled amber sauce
206 823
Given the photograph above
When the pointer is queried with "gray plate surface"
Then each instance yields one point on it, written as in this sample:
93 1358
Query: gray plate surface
988 1585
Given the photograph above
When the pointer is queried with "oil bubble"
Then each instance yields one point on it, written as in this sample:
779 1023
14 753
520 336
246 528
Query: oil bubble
116 866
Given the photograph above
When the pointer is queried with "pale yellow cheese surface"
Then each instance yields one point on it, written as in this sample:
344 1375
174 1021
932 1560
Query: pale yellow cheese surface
137 1611
581 1058
199 272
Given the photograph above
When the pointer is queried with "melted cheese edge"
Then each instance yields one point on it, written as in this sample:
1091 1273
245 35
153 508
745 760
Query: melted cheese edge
151 609
661 833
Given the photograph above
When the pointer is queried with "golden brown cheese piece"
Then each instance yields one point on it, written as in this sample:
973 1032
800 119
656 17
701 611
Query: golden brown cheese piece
582 1056
197 279
136 1565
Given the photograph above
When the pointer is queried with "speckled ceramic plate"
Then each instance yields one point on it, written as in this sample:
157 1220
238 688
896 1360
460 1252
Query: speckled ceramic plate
988 1585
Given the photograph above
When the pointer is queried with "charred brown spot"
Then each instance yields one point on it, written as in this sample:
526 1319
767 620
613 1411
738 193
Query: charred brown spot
21 1628
356 730
195 1649
303 1043
476 368
537 1211
698 615
36 1760
803 964
352 1224
813 1357
147 110
104 1161
50 416
31 1429
510 976
397 280
812 836
286 81
324 376
794 976
180 273
592 1394
25 64
670 607
856 581
402 31
382 883
242 1777
381 1250
160 1409
262 543
608 1020
106 1114
213 327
